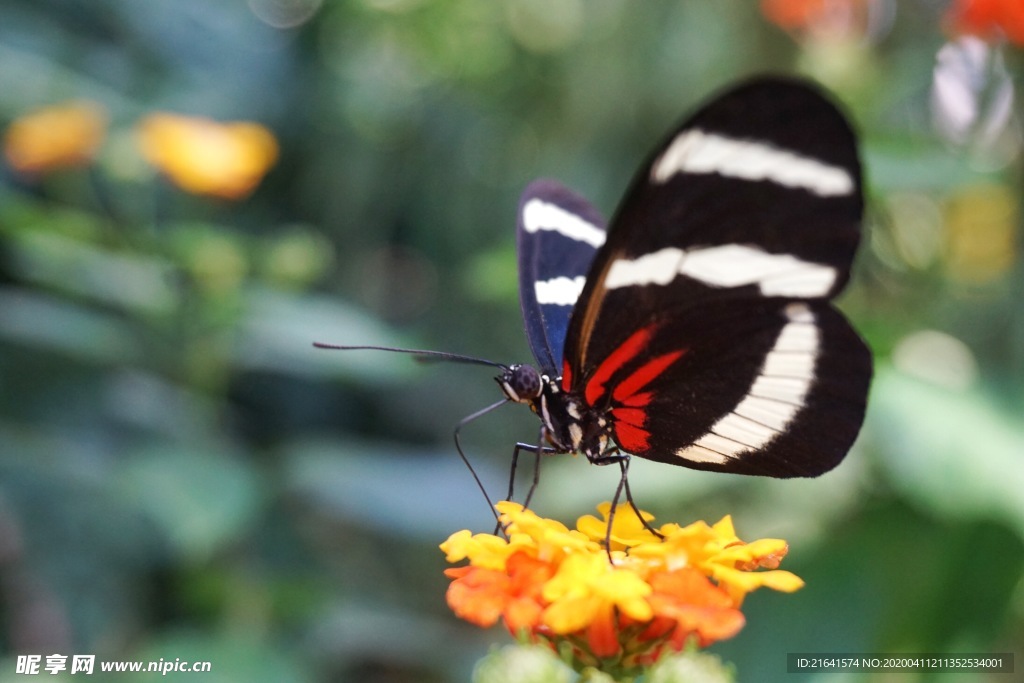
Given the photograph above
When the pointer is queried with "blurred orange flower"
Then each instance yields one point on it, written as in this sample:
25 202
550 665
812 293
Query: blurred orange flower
207 157
989 19
793 14
60 136
547 582
834 15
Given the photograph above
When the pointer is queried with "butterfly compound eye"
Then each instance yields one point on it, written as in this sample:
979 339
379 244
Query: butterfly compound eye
521 383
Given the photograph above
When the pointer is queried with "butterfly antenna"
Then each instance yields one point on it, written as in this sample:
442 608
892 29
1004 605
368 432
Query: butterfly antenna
421 355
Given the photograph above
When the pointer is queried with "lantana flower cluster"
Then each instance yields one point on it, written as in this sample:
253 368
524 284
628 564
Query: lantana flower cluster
617 608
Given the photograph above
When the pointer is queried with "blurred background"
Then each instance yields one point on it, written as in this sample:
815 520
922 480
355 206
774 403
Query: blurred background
183 476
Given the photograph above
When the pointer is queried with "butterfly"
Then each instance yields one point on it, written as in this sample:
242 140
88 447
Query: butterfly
695 328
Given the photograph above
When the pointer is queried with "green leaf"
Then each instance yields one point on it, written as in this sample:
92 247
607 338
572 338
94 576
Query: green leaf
952 451
278 329
131 282
201 498
897 164
397 490
40 321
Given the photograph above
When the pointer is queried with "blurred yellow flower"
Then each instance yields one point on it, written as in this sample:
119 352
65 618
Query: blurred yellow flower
981 232
656 594
207 157
60 136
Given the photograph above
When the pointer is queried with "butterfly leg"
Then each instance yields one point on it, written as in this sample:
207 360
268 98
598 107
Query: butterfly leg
538 451
611 456
624 464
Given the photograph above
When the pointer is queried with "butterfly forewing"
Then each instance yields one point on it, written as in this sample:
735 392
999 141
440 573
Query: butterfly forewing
557 236
704 326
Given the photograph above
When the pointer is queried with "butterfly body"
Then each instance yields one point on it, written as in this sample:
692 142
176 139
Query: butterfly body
570 425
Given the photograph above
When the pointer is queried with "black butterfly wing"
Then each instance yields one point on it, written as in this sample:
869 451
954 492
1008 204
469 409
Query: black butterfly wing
557 236
764 387
724 252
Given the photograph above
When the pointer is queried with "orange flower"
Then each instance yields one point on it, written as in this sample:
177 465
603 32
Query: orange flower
482 596
55 137
826 18
698 607
989 19
550 583
206 157
793 14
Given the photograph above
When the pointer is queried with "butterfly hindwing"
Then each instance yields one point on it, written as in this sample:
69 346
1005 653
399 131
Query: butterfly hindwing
724 254
674 394
557 236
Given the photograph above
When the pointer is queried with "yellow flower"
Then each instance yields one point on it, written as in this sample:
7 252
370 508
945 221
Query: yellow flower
733 568
718 553
206 157
587 587
551 540
55 137
555 584
482 550
628 530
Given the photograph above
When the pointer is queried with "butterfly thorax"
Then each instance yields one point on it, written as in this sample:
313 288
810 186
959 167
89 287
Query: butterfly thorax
570 425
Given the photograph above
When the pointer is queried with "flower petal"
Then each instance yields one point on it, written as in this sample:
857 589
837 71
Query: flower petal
603 635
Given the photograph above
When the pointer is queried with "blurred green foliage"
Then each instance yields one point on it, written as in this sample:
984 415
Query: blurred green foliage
183 476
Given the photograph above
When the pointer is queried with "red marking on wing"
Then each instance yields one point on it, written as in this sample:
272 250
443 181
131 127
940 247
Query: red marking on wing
637 400
566 376
627 351
643 375
635 417
631 439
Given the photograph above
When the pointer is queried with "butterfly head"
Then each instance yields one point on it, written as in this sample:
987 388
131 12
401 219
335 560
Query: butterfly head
521 383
